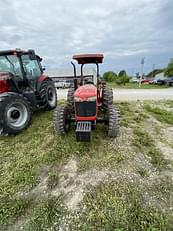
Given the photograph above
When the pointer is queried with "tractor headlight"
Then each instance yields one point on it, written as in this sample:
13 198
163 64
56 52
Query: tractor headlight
92 99
77 99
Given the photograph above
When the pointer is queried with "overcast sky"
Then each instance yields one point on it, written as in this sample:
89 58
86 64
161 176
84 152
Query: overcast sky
124 30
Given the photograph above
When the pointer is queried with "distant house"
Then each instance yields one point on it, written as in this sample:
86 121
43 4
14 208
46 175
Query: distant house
160 76
151 75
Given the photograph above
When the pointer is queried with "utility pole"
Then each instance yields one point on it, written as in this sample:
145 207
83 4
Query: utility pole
142 70
153 71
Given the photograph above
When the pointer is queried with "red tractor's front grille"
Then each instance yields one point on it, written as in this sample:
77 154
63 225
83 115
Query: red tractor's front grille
4 86
85 108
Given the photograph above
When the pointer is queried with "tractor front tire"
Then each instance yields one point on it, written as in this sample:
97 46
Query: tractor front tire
107 97
48 94
61 120
15 114
113 122
70 98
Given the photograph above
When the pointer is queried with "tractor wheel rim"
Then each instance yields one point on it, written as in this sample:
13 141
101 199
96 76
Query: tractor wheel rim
17 115
51 96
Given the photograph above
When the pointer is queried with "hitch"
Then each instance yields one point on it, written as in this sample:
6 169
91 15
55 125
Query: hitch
83 131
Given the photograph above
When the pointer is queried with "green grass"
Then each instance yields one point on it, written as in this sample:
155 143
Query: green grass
23 156
103 156
169 103
136 86
45 214
39 153
120 206
130 115
11 209
160 114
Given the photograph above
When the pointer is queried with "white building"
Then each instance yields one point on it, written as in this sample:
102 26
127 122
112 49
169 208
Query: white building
160 76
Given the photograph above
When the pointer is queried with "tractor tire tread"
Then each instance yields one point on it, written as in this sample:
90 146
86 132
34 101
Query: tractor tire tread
114 122
70 98
59 120
107 97
43 94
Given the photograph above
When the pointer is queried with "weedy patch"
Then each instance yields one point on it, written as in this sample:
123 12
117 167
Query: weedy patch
11 209
162 115
45 214
131 114
119 205
111 154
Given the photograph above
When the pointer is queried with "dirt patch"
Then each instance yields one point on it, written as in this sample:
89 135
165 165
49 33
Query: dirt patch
167 133
73 185
41 190
123 142
166 150
142 165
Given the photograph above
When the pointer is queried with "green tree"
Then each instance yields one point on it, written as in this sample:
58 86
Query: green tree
122 73
169 69
110 76
123 78
154 72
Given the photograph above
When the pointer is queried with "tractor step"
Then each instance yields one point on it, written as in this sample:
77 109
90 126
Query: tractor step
83 131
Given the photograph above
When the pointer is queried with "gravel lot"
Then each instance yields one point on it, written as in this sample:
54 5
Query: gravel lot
133 94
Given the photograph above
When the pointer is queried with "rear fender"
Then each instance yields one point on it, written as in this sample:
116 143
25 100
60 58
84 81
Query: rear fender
8 93
41 79
29 95
4 86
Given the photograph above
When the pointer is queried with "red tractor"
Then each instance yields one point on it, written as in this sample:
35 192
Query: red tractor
88 103
23 88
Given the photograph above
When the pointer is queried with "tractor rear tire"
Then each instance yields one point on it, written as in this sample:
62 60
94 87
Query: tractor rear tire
70 98
107 97
61 120
48 94
15 114
113 122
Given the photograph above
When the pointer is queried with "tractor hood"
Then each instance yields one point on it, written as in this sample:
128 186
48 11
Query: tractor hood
86 91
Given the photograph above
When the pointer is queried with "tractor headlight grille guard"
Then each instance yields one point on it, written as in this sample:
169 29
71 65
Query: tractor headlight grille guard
85 108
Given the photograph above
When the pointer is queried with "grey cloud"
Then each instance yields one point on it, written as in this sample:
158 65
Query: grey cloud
124 30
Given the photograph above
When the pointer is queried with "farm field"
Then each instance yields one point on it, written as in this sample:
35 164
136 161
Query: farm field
48 182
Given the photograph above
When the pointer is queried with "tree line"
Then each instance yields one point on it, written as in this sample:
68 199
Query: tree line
123 78
120 78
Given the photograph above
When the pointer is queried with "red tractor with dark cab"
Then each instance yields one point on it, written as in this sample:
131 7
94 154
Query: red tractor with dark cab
23 89
88 103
